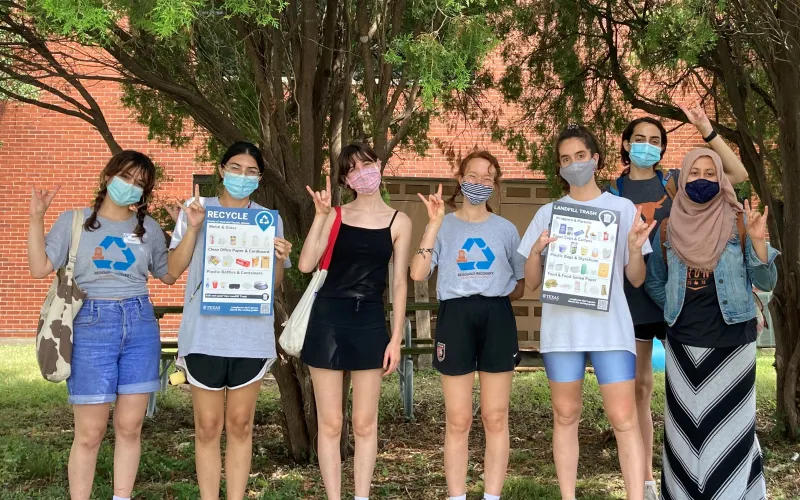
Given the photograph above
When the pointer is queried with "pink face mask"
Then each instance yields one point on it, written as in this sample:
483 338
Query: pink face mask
366 180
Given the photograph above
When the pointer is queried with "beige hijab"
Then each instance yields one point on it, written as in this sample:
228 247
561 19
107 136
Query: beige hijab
699 232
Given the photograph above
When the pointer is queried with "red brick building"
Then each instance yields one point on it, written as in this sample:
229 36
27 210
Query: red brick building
43 148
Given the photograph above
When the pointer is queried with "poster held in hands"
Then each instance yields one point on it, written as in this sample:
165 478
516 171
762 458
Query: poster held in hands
579 267
239 262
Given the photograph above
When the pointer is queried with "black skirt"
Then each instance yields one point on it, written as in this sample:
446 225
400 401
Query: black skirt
345 334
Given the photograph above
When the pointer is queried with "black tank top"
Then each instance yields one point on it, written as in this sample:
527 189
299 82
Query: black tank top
359 264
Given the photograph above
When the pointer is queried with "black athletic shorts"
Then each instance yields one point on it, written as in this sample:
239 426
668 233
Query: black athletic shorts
475 334
648 331
215 373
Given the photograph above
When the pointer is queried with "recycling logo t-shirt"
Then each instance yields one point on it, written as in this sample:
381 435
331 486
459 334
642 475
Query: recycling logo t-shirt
477 258
112 262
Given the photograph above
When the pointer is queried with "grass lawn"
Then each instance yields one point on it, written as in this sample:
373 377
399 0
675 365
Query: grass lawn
36 433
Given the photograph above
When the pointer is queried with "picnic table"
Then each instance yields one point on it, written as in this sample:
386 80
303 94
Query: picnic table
405 369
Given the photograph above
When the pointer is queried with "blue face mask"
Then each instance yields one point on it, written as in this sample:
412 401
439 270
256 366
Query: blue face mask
644 155
239 186
702 190
122 193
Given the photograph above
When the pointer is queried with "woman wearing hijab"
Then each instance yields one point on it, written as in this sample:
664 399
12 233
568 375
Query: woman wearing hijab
712 254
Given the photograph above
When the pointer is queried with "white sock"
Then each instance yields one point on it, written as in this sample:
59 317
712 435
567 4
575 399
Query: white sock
120 498
360 498
459 497
649 483
487 496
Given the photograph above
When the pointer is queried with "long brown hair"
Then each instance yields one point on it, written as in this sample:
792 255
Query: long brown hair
462 169
120 163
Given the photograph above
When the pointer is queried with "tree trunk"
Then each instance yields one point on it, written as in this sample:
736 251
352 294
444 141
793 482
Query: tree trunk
787 307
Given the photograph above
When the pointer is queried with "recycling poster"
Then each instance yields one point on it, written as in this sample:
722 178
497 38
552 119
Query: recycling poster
579 267
239 262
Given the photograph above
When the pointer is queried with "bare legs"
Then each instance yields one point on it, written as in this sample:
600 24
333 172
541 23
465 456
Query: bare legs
495 395
619 404
211 413
91 421
644 393
328 396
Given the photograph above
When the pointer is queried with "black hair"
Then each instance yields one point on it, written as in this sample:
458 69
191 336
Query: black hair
347 161
628 133
574 131
120 163
242 148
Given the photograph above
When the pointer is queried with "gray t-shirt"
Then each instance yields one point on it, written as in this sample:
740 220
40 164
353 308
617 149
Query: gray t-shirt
111 263
477 258
216 335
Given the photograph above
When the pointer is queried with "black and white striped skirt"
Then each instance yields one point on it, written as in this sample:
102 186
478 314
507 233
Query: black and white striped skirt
711 451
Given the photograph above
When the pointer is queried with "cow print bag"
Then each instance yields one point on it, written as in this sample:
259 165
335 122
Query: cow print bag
63 301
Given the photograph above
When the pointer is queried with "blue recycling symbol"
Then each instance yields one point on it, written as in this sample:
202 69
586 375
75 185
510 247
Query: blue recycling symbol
487 253
130 258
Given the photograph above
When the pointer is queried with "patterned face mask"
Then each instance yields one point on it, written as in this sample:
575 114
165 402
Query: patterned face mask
476 193
365 180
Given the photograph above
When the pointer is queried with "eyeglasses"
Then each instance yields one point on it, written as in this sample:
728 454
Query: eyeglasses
474 179
237 169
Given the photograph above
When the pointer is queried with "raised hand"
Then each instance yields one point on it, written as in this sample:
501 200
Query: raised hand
282 248
173 210
322 199
435 205
41 200
640 231
542 242
697 116
195 212
756 222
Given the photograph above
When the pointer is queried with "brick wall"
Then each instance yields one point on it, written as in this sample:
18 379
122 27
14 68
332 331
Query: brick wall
45 149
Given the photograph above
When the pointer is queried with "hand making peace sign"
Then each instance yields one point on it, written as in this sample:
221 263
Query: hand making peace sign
322 199
435 205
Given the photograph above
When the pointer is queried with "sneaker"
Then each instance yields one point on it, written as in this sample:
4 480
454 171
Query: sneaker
650 492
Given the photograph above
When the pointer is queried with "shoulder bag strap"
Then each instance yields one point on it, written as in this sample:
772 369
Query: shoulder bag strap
328 253
75 239
670 182
663 233
741 229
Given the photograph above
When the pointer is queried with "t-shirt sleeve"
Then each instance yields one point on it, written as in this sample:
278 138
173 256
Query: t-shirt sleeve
517 259
180 228
279 233
533 232
158 257
56 242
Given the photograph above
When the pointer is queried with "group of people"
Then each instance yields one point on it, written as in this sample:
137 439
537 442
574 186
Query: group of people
687 257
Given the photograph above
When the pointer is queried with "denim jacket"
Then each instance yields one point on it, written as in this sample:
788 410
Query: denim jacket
735 275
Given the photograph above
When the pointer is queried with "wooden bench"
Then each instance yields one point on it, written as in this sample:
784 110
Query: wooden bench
405 368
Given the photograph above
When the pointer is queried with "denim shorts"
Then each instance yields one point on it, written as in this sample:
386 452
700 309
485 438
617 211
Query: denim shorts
116 350
609 366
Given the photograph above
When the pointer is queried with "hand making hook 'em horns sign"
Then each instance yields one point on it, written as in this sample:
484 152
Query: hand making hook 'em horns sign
756 222
322 199
435 205
640 231
41 200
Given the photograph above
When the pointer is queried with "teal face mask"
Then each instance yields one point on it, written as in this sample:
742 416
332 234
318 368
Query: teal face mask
239 186
644 155
122 193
